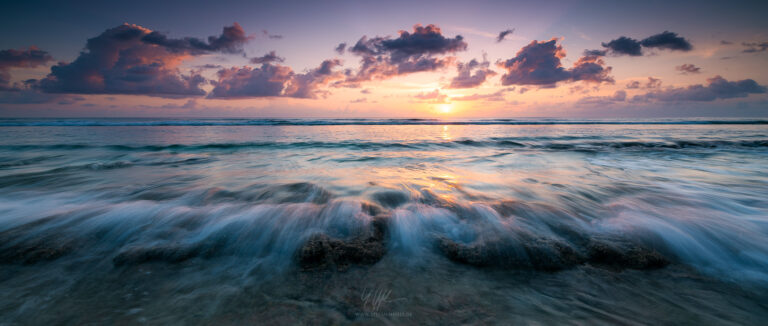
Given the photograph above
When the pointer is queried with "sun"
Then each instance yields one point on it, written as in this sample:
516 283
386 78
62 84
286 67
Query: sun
444 108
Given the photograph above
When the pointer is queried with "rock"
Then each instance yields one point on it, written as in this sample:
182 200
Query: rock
32 252
544 255
321 251
169 253
624 256
390 198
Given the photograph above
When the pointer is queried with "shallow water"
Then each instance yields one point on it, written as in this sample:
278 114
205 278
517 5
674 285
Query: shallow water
489 221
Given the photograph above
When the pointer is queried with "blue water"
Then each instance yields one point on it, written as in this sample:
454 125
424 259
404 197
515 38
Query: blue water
171 221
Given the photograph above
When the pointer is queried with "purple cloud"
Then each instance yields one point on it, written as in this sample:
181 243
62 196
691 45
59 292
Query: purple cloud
538 63
467 79
130 59
22 58
267 58
716 88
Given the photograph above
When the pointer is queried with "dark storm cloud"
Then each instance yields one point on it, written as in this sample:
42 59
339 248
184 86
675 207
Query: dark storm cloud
341 48
598 53
416 51
538 63
503 34
716 88
688 68
130 59
22 58
667 40
467 79
267 58
754 47
231 40
632 47
624 46
274 81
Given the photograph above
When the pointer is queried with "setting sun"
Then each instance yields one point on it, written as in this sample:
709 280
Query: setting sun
444 108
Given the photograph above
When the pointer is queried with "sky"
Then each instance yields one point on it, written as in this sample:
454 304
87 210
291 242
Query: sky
368 59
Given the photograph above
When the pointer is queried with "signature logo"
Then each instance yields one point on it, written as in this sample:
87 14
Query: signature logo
373 299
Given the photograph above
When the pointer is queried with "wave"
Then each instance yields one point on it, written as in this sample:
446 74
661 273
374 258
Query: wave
543 143
342 122
305 225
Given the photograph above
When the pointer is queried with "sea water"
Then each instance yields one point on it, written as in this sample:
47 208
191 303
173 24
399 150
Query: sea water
207 221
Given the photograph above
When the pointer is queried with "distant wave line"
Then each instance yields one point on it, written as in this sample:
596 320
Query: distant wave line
343 122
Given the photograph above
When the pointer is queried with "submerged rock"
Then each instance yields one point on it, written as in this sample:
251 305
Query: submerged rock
390 198
625 256
321 251
32 252
545 255
172 253
550 255
18 246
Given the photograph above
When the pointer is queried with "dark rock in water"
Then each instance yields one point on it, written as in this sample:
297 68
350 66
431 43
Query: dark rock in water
322 251
174 253
544 255
170 254
32 252
551 255
625 256
390 198
17 246
371 209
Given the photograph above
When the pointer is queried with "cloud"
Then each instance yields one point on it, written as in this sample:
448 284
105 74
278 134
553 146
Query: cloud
652 83
433 97
209 66
667 40
724 42
359 100
632 47
466 79
410 52
22 58
273 81
267 58
688 68
624 46
754 47
341 48
231 40
618 96
131 59
716 88
538 63
70 100
497 96
268 80
503 34
271 36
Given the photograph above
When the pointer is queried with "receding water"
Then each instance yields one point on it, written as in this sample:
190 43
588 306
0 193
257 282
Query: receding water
374 221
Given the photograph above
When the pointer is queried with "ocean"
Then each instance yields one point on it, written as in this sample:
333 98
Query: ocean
376 221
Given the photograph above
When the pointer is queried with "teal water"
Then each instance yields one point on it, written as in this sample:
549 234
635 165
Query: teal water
486 221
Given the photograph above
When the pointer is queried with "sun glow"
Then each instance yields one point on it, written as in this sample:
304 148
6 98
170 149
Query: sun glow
444 108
